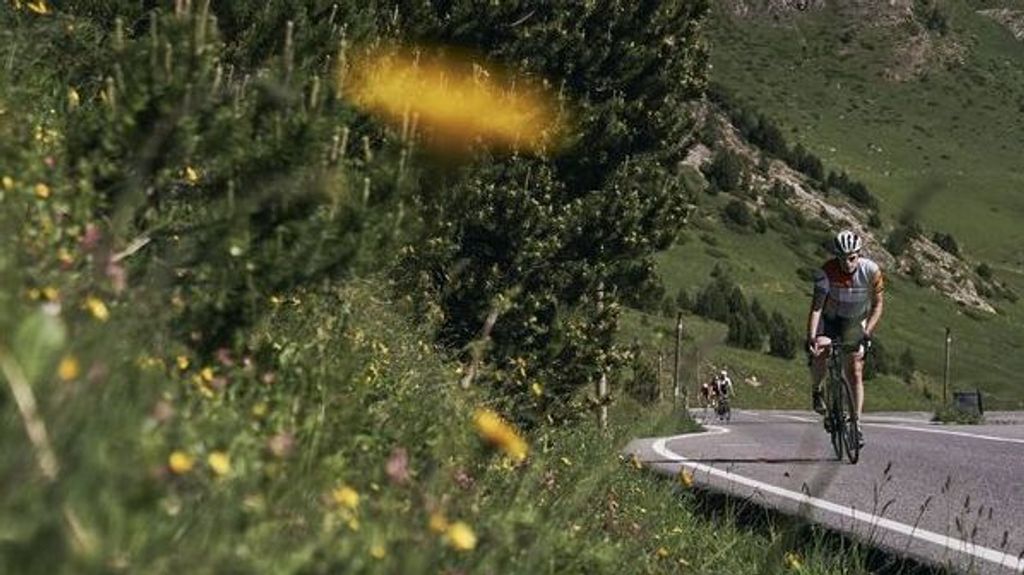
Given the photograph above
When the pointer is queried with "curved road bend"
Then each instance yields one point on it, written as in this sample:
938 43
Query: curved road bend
948 495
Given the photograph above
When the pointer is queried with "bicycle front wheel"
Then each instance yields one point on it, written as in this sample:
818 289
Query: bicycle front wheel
849 427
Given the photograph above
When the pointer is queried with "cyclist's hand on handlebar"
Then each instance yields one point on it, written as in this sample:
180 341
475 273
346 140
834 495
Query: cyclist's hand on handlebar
812 346
866 341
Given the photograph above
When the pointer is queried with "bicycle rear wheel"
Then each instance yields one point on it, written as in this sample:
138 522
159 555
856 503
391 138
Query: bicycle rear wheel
849 427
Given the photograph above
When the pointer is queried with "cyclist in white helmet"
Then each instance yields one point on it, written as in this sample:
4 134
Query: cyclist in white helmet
723 385
846 306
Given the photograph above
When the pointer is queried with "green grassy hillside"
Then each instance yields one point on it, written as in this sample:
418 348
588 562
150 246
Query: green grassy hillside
943 141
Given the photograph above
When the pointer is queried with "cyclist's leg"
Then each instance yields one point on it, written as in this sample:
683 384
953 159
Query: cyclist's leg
819 365
855 374
853 334
855 352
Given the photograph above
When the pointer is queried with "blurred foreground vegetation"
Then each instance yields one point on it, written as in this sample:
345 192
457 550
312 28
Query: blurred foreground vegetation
249 326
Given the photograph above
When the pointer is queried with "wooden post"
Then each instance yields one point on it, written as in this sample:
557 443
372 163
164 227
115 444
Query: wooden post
661 365
602 382
945 371
675 363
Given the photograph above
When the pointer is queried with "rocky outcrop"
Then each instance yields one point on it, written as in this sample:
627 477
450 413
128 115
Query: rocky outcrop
932 266
923 260
1012 19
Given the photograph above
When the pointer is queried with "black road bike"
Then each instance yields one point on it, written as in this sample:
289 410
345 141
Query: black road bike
841 413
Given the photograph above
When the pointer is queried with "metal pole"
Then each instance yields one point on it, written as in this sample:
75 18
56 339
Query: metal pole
675 363
945 371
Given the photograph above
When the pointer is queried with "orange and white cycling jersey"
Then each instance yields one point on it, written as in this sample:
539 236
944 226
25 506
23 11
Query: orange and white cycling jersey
848 295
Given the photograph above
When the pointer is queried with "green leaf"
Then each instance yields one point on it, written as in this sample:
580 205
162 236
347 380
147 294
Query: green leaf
38 341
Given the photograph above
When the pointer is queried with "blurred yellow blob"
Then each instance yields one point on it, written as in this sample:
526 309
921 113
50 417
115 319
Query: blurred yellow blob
37 6
73 99
496 431
42 191
219 462
438 523
68 369
180 462
461 536
457 99
97 308
792 561
686 478
191 175
346 497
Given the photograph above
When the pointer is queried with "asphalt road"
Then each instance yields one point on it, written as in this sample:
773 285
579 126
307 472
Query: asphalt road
946 495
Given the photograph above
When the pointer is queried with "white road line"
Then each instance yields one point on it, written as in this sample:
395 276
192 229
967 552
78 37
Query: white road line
795 417
947 432
911 428
951 543
869 417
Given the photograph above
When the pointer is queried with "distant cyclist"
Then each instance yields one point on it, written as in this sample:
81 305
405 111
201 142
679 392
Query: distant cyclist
705 394
847 305
723 385
722 388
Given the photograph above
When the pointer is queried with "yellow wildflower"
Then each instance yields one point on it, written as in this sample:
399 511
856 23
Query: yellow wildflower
438 522
7 182
42 191
68 368
460 536
180 462
182 361
50 293
38 6
259 410
636 461
565 461
686 478
537 389
73 99
378 552
346 497
662 552
191 175
65 257
495 430
97 308
793 561
219 462
206 374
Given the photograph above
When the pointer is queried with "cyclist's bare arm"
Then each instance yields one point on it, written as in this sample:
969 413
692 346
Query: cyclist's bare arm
814 318
877 305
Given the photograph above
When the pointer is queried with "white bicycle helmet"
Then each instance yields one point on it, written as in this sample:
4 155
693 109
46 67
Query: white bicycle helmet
846 242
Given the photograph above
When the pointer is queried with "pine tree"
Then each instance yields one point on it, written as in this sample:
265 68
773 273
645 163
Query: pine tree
783 337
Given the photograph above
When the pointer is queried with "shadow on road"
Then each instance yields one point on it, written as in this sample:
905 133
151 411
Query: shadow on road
789 532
